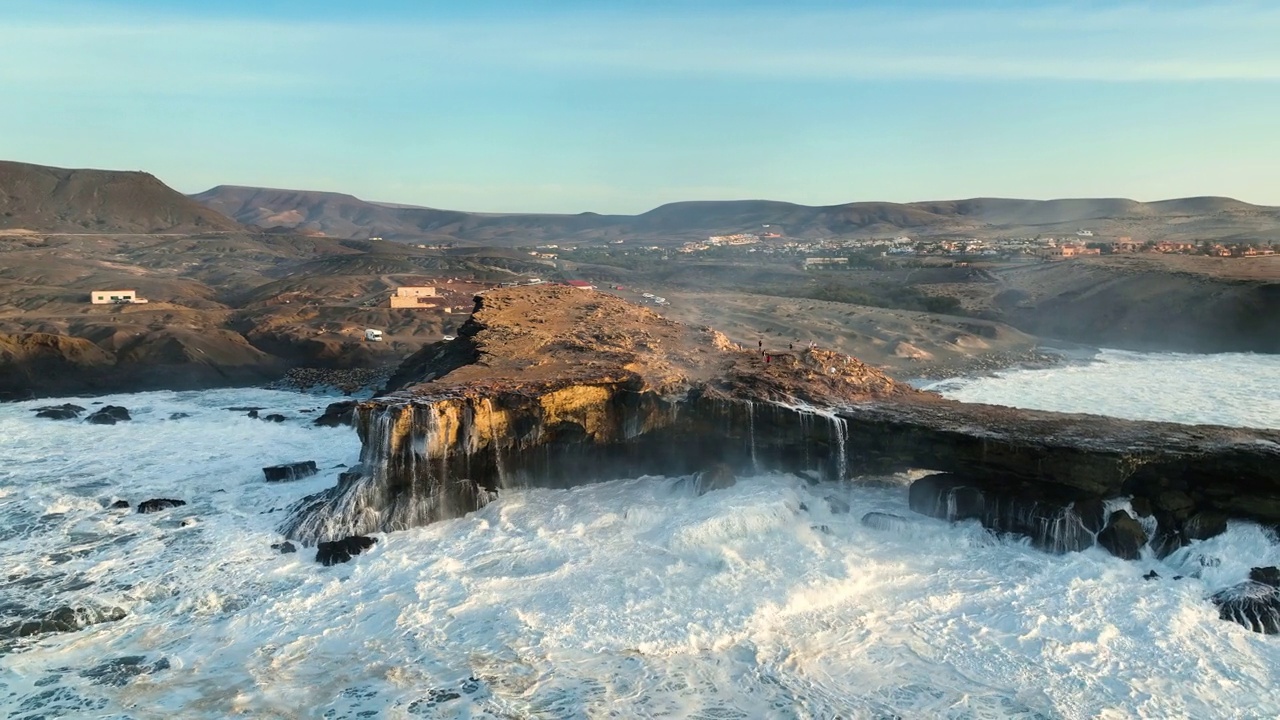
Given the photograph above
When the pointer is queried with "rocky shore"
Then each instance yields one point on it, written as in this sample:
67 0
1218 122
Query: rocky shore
554 386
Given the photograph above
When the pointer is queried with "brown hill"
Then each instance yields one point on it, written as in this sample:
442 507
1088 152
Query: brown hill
49 199
346 216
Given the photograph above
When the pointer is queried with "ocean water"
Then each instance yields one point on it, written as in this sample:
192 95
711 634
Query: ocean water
1240 389
631 598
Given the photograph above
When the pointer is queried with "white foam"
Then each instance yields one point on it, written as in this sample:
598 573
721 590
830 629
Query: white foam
635 597
1239 389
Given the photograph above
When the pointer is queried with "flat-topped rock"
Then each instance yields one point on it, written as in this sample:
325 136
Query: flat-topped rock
556 386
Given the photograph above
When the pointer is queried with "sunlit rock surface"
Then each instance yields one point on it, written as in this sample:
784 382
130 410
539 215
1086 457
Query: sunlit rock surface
554 386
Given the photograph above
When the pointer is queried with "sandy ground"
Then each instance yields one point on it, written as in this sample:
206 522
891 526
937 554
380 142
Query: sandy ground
906 344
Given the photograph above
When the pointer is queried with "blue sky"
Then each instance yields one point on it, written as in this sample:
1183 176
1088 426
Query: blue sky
568 105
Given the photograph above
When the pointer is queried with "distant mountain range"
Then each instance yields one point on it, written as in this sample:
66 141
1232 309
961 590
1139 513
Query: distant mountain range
341 215
46 199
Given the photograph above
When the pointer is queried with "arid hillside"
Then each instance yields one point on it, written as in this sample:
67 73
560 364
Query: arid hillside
1138 302
49 199
340 215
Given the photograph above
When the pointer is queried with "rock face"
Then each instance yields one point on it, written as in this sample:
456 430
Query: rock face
290 471
1123 536
1047 517
109 415
339 413
66 411
553 386
158 504
1252 604
64 619
340 551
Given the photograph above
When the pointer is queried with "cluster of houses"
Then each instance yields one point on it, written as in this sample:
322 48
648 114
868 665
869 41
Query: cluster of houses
722 241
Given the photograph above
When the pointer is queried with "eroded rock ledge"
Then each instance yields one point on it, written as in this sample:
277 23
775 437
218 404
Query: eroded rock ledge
554 386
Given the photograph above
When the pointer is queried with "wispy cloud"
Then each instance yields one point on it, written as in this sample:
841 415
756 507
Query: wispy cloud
1167 42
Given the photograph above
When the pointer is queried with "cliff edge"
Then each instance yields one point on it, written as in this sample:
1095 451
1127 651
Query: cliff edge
555 386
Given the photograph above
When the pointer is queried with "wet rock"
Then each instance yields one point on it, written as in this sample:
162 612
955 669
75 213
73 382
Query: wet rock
66 411
1123 536
290 471
188 522
120 505
1169 537
838 506
885 522
158 504
1251 604
245 408
1141 506
109 415
253 414
1049 523
285 547
718 477
1153 575
273 417
64 619
339 413
1176 503
946 497
340 551
1204 525
179 415
1092 513
119 671
1269 576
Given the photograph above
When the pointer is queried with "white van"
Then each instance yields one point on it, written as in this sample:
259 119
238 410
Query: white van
373 335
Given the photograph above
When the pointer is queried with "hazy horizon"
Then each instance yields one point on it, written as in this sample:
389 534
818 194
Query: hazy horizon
568 107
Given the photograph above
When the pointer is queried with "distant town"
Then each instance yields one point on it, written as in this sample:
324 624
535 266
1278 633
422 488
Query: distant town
834 252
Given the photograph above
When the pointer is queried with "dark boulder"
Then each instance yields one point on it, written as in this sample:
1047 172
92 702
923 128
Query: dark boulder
290 471
1266 575
339 413
1153 575
253 414
718 477
273 417
109 415
179 415
64 619
1204 525
158 504
886 522
1169 536
1251 604
1141 506
60 412
838 506
1123 536
1176 503
340 551
946 497
1092 513
285 547
120 505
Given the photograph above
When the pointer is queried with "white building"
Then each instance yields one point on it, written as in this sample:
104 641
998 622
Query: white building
115 297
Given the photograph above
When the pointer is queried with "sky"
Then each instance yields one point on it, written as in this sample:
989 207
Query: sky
617 107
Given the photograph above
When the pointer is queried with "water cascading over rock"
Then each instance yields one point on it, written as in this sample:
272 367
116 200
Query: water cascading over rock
553 386
429 461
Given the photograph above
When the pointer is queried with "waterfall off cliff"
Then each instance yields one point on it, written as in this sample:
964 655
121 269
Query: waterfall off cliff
553 386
